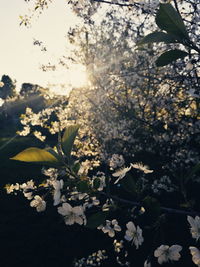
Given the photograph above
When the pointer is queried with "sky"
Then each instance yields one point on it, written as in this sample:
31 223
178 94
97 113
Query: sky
20 59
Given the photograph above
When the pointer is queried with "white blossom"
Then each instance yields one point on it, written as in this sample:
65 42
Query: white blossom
28 188
10 188
147 263
39 135
94 259
101 178
75 195
164 253
38 203
195 255
134 234
121 173
51 172
118 245
72 214
110 228
195 226
141 167
58 185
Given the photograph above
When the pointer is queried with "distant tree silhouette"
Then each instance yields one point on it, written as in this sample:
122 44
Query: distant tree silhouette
8 89
29 89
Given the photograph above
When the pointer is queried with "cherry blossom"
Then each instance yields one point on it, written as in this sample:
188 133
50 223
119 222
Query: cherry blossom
110 228
195 226
38 203
164 253
141 167
195 255
134 234
121 173
72 214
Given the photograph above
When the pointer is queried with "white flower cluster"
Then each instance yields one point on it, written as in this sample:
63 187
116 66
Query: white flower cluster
95 259
163 184
88 201
110 228
51 172
39 136
101 178
121 173
27 188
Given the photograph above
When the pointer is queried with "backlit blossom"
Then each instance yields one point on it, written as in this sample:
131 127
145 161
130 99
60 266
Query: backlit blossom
28 188
147 263
134 234
195 226
72 214
195 255
94 259
164 253
141 167
38 203
39 135
118 245
101 179
51 172
121 173
58 185
110 227
10 188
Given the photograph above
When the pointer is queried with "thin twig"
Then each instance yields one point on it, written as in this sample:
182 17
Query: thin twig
113 3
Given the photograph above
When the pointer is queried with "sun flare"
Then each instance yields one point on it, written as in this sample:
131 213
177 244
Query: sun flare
65 81
77 76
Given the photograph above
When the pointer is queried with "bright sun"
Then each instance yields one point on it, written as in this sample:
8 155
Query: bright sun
74 77
77 76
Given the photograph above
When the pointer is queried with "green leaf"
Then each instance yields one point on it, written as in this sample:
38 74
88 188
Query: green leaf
195 169
37 155
128 184
192 172
76 167
169 20
97 219
82 187
96 183
170 56
157 37
53 153
68 139
152 208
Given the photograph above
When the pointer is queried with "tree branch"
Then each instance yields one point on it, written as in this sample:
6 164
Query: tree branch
165 209
113 3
